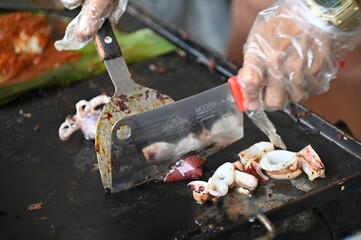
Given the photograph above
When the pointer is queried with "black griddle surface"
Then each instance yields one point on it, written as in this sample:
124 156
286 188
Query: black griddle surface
37 167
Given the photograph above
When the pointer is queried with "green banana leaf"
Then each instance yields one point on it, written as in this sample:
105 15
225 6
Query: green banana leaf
139 45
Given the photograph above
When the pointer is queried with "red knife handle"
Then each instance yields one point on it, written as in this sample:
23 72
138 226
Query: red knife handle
236 89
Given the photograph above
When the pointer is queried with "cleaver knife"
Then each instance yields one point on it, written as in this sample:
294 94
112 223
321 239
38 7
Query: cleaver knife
145 145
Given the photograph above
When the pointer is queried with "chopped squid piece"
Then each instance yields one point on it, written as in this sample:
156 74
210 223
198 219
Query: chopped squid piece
158 151
86 118
285 174
281 164
187 168
225 173
278 164
255 152
278 160
226 130
245 180
238 165
200 191
255 169
225 177
311 163
188 144
67 128
225 125
217 187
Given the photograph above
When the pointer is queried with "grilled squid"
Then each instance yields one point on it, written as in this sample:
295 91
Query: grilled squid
158 151
255 152
86 118
186 168
225 177
217 187
255 169
188 144
200 191
225 173
247 172
226 130
242 179
311 163
281 164
250 157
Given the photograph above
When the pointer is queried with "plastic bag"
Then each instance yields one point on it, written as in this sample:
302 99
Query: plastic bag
290 54
82 28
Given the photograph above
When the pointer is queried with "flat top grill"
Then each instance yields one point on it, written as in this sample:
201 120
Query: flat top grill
37 167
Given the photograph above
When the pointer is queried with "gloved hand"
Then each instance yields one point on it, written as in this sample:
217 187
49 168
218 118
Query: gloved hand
91 17
290 54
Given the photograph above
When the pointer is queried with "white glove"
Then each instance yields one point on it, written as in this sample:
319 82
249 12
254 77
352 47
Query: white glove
291 53
82 28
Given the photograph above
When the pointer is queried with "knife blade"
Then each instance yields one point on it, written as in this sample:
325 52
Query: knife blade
155 140
139 148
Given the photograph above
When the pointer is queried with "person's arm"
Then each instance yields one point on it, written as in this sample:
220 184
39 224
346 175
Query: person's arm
291 53
91 17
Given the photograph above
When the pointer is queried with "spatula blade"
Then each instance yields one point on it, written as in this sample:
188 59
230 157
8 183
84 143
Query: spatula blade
129 98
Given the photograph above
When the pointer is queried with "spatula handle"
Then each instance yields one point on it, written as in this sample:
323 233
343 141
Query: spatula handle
106 43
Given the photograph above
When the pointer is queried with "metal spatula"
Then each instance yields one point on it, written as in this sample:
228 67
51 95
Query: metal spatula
129 98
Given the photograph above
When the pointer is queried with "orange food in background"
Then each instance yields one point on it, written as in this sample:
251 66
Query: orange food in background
26 47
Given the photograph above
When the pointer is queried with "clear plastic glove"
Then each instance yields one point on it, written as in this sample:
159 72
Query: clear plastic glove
290 54
82 28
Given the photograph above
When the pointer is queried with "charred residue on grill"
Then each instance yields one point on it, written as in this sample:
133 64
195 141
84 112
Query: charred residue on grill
108 116
97 148
160 96
299 114
121 102
341 136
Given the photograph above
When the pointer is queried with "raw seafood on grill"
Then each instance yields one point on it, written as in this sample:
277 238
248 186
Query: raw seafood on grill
220 134
186 168
281 164
86 118
247 173
225 177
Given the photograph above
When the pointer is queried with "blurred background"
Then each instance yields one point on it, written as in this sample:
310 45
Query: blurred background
224 25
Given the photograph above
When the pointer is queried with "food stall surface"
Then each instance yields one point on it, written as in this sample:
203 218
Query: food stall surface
52 189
